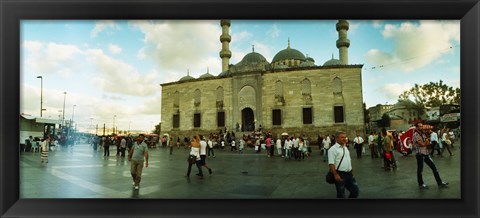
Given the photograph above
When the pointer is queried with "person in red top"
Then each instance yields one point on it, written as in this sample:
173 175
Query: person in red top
268 143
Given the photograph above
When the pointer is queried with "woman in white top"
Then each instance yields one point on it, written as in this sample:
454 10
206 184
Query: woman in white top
195 151
301 145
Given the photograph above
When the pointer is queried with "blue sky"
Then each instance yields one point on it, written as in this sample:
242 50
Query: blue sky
115 67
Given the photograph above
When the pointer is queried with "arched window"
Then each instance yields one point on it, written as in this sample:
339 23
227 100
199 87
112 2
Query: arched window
279 89
306 87
220 93
337 85
176 99
197 96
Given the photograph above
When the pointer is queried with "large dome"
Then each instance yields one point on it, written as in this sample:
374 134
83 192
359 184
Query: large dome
252 58
288 54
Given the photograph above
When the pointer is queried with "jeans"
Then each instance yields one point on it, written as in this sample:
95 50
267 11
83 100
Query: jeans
106 151
199 166
348 182
428 160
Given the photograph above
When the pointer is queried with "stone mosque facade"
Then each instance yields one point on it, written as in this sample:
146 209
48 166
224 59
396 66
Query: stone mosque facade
289 94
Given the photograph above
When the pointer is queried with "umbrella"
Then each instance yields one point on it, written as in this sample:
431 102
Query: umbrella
284 134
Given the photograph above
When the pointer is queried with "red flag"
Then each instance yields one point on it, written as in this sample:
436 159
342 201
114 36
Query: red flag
406 142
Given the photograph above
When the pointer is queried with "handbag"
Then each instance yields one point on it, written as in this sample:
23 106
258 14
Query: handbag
330 178
191 159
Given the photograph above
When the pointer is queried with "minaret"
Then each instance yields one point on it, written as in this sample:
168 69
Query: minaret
343 43
225 39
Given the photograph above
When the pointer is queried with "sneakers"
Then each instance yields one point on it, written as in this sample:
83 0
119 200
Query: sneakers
133 183
136 187
423 186
443 185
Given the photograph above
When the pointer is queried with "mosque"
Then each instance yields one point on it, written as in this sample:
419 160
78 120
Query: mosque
289 94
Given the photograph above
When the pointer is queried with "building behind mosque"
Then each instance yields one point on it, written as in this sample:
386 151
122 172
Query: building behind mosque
289 94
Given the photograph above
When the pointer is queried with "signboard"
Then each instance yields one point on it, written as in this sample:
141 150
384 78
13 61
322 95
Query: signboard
452 117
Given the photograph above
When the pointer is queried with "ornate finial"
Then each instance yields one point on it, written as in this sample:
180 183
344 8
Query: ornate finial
288 42
208 70
253 48
332 55
188 72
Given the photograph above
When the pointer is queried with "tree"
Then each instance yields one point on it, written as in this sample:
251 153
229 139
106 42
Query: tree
385 121
432 94
366 116
157 129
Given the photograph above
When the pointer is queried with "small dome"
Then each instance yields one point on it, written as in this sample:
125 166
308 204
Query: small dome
307 64
332 62
310 59
206 75
187 77
224 74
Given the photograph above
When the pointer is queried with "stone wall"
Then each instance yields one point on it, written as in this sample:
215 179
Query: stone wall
259 88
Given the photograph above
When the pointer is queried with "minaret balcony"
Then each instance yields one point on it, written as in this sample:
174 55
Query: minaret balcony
225 54
226 38
343 43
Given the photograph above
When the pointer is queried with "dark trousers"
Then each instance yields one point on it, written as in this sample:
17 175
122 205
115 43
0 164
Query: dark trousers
122 151
211 151
428 160
434 146
106 151
348 182
445 145
358 148
171 149
373 151
199 166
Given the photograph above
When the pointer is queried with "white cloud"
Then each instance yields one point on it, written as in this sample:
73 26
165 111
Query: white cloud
100 26
241 36
393 90
377 23
418 45
141 54
118 77
274 32
180 45
114 49
51 58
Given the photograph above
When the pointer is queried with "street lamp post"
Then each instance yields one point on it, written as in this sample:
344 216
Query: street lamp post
63 116
73 113
41 95
114 123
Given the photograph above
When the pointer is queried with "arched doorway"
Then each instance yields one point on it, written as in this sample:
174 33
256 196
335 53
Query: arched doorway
248 120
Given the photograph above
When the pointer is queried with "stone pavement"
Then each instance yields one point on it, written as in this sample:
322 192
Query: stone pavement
80 172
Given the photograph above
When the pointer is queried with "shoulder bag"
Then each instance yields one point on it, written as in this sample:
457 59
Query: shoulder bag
330 178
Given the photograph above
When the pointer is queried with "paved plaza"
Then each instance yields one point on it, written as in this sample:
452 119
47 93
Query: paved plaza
80 172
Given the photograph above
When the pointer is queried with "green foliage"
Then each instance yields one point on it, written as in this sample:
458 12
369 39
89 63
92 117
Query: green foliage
157 129
385 121
366 114
432 94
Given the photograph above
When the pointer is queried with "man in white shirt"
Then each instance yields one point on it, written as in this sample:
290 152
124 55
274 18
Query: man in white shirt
434 142
358 145
203 154
340 165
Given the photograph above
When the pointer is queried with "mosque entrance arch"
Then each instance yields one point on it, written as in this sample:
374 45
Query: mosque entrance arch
248 119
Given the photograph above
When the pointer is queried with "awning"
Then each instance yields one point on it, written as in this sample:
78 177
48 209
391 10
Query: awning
40 119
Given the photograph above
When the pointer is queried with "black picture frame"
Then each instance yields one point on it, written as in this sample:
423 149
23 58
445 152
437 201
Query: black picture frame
13 11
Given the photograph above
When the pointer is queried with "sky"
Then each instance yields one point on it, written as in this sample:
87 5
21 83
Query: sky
111 70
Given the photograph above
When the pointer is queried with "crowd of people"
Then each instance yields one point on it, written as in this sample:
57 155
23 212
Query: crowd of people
424 142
